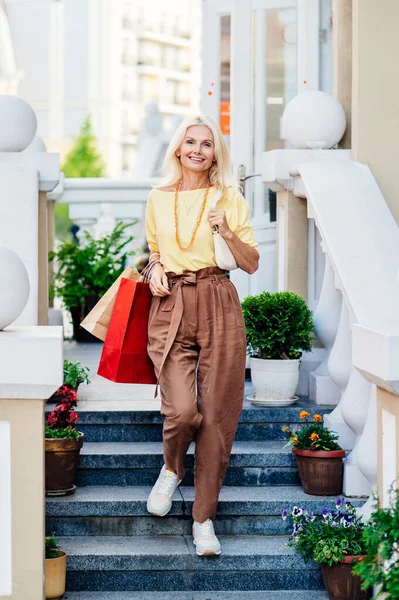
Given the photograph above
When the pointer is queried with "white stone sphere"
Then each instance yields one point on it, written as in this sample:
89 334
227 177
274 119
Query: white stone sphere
313 120
14 286
36 145
18 124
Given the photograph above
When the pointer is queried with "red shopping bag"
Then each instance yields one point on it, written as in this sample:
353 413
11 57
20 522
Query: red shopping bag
124 358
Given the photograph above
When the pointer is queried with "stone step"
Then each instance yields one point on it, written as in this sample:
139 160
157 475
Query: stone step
138 463
170 563
263 595
121 511
256 422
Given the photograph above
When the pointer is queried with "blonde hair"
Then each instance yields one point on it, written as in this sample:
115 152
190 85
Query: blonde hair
220 173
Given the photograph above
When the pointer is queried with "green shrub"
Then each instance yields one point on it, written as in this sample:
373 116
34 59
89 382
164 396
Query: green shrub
278 325
381 567
91 268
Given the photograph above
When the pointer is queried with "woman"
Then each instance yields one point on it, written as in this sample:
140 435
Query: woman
196 334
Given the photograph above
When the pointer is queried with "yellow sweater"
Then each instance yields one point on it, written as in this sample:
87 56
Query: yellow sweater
160 227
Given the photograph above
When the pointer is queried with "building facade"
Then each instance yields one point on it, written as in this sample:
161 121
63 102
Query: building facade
107 59
9 75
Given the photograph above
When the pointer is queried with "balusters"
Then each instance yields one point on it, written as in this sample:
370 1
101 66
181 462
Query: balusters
339 368
354 408
326 317
366 453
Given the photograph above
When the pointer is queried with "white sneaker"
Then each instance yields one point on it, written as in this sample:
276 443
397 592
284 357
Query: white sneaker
159 501
205 539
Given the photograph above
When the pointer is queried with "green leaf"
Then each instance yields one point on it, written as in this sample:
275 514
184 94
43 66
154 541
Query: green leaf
90 269
69 433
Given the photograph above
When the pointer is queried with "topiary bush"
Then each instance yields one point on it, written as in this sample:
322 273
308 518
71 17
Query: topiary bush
278 325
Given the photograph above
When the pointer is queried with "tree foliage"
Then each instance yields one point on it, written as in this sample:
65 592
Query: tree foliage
83 160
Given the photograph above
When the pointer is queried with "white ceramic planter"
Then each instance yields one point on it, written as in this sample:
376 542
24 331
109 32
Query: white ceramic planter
274 381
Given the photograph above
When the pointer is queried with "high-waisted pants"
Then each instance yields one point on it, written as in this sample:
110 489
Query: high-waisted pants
196 340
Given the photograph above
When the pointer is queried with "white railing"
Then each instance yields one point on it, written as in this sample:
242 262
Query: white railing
124 199
358 306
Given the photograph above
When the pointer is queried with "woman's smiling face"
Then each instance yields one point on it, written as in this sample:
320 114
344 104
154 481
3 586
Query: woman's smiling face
197 151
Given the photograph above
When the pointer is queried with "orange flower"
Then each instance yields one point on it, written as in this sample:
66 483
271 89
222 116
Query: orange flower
314 437
303 414
295 440
317 418
286 429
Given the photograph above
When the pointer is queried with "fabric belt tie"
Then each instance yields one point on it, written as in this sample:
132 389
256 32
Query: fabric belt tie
174 301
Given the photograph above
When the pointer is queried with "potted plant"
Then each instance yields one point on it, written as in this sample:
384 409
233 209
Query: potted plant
278 328
318 456
335 541
62 446
381 566
74 375
84 272
55 569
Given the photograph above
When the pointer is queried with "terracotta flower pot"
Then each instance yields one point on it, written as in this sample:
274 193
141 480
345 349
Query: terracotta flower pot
55 571
62 458
341 583
320 471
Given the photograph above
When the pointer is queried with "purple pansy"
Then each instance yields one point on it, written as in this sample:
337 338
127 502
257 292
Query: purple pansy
297 512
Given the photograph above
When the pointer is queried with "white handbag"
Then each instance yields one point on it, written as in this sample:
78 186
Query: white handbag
223 255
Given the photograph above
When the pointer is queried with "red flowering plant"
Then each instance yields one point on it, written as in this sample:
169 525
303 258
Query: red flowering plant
61 421
313 435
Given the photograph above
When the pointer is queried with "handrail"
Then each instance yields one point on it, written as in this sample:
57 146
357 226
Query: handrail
360 236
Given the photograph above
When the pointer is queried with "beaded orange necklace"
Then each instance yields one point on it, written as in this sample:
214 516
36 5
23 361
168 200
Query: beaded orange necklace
199 219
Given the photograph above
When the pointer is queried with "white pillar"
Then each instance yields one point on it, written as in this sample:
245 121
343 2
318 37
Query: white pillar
326 317
339 368
31 370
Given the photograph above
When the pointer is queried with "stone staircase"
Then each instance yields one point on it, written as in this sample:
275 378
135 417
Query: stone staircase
117 551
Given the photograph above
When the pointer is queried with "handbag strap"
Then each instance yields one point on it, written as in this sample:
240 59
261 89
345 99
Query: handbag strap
146 272
216 197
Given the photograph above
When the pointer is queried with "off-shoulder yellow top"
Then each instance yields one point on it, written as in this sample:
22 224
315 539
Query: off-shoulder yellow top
160 227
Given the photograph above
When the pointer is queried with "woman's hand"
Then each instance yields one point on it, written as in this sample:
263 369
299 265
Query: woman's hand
159 282
218 217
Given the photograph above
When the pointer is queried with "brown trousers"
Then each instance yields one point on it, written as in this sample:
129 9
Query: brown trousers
196 340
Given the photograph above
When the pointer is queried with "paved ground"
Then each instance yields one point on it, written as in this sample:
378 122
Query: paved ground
116 396
104 395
